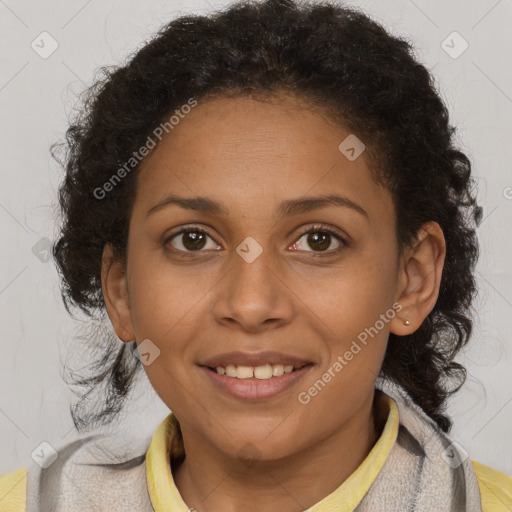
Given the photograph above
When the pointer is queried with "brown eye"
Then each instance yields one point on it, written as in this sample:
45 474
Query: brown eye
194 240
319 240
190 240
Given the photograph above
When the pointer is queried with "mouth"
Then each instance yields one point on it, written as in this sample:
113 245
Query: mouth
255 383
260 372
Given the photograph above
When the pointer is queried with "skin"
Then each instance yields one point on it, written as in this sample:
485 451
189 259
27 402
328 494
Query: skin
251 155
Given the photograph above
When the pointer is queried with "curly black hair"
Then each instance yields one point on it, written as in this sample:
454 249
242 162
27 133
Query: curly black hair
335 57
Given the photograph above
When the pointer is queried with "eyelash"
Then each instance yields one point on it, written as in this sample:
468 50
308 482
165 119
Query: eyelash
313 229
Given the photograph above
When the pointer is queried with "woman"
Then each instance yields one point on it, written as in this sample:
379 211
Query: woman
268 204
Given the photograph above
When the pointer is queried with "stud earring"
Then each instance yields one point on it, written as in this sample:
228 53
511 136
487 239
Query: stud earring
406 322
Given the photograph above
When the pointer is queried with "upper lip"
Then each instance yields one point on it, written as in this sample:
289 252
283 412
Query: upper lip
254 359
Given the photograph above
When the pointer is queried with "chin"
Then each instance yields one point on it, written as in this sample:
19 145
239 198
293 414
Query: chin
261 446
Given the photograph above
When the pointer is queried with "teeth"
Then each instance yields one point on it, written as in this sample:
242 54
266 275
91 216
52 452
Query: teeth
231 370
277 370
244 372
264 372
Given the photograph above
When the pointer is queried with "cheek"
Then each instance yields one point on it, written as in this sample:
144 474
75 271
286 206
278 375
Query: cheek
353 296
165 304
355 354
358 310
163 299
163 312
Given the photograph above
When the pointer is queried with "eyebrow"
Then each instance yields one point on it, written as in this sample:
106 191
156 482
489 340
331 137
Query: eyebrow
285 208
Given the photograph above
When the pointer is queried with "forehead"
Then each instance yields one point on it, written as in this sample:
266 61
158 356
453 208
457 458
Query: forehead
242 152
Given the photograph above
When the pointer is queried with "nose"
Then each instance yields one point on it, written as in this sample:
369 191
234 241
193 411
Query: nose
253 296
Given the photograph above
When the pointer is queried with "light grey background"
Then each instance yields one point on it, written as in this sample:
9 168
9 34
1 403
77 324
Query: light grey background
36 97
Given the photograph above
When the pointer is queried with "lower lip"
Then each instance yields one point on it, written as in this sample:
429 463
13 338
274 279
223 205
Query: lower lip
255 389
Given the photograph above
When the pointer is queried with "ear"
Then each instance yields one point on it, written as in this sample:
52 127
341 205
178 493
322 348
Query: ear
115 293
420 273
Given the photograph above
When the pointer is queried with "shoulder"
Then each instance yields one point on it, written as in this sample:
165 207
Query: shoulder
13 491
102 472
495 488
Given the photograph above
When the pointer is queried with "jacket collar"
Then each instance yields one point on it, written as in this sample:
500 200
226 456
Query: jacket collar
166 444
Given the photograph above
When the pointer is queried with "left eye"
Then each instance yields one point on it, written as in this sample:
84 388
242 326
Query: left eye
320 240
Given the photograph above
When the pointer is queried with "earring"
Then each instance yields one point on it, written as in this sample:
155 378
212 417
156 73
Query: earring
406 322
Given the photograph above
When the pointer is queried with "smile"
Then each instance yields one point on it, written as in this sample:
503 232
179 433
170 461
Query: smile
267 371
255 383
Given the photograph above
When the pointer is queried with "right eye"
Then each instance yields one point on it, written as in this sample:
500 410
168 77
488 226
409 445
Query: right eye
190 240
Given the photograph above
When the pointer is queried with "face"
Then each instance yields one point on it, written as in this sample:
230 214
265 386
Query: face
256 273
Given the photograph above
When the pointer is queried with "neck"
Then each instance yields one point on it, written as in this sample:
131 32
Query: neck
209 480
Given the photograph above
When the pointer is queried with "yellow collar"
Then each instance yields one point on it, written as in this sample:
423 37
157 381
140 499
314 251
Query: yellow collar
165 496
